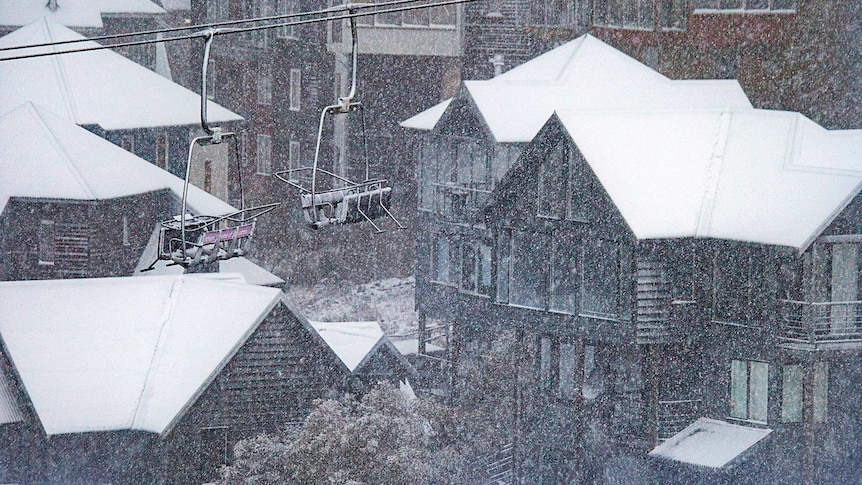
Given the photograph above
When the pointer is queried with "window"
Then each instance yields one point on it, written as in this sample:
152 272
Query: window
553 13
46 242
780 6
295 89
126 241
749 392
560 367
293 155
504 247
476 268
791 394
600 291
215 450
444 15
738 285
264 154
528 286
820 394
672 14
128 143
208 175
444 259
552 183
284 7
632 14
162 151
264 84
565 275
843 286
427 173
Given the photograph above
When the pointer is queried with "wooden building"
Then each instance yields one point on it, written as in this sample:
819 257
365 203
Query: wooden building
799 55
75 205
153 379
117 99
654 266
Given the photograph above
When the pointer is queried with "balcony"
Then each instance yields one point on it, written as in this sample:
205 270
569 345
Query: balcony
820 325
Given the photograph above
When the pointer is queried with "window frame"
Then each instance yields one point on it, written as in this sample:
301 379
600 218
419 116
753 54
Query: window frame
295 90
263 154
586 265
475 251
550 367
754 391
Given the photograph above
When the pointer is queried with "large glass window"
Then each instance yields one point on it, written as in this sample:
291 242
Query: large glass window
560 366
600 291
476 268
637 14
749 390
552 183
529 269
565 274
791 394
820 392
445 256
427 173
504 246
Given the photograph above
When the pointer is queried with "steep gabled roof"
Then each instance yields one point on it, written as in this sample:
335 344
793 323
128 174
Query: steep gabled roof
45 156
130 353
72 13
94 88
770 177
584 75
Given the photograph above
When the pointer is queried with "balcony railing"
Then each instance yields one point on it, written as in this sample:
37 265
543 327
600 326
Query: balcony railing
816 323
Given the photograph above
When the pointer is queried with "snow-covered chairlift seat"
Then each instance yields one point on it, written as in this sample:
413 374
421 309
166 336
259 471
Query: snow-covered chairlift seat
356 203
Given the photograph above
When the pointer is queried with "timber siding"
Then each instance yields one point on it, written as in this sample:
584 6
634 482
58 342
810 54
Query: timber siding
88 235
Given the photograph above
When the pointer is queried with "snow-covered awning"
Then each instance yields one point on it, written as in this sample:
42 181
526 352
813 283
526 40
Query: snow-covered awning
584 74
710 443
131 353
72 13
770 177
428 118
94 88
43 155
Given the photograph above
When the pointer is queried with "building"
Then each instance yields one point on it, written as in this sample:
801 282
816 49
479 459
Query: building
151 379
799 55
94 18
279 80
75 205
119 100
650 262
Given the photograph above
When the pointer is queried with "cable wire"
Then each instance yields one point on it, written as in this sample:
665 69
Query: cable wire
215 27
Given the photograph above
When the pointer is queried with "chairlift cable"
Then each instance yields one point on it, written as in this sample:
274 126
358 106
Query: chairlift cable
214 28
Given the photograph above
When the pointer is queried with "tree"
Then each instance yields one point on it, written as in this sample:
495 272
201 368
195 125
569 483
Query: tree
384 437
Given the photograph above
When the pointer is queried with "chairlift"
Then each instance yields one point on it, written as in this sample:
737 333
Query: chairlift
348 201
189 240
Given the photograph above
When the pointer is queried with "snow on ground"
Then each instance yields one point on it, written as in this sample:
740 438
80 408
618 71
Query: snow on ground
389 302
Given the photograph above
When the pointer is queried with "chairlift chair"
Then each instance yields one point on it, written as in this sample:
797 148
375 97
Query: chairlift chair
349 201
189 240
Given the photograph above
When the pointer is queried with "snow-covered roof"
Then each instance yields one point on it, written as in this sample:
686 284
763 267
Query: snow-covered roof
584 74
770 177
94 88
253 274
352 342
411 346
72 13
131 353
45 156
709 443
426 120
